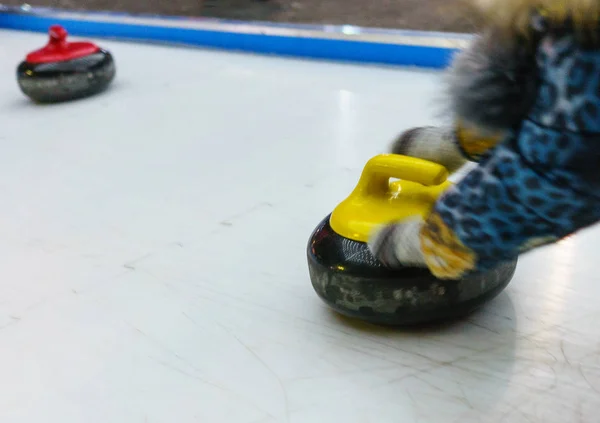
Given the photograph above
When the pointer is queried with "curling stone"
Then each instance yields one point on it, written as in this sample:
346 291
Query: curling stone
64 70
354 283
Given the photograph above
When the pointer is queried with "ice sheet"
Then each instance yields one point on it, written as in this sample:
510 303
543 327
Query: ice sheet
152 258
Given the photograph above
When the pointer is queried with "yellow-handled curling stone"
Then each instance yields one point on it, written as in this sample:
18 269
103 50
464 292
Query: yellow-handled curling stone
350 280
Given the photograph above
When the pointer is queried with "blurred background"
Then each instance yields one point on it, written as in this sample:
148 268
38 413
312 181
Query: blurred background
433 15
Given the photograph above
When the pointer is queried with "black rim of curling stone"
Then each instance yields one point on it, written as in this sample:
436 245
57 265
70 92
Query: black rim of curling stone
350 280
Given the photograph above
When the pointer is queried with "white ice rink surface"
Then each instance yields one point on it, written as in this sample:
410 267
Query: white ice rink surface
152 259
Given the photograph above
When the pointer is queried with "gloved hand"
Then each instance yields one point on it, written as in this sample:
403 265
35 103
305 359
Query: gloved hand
422 243
398 244
451 147
435 144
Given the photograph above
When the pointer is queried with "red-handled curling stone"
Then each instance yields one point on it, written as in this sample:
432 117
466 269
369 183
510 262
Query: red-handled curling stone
64 70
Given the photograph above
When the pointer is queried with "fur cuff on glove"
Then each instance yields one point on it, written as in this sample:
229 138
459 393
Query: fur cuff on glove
493 83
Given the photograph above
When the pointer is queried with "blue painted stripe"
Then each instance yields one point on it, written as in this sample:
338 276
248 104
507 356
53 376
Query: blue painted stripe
346 50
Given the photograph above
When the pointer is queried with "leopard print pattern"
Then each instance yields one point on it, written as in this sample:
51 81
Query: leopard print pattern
542 182
569 81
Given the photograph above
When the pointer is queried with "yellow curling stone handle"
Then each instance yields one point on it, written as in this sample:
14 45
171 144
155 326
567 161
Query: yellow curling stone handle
391 188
